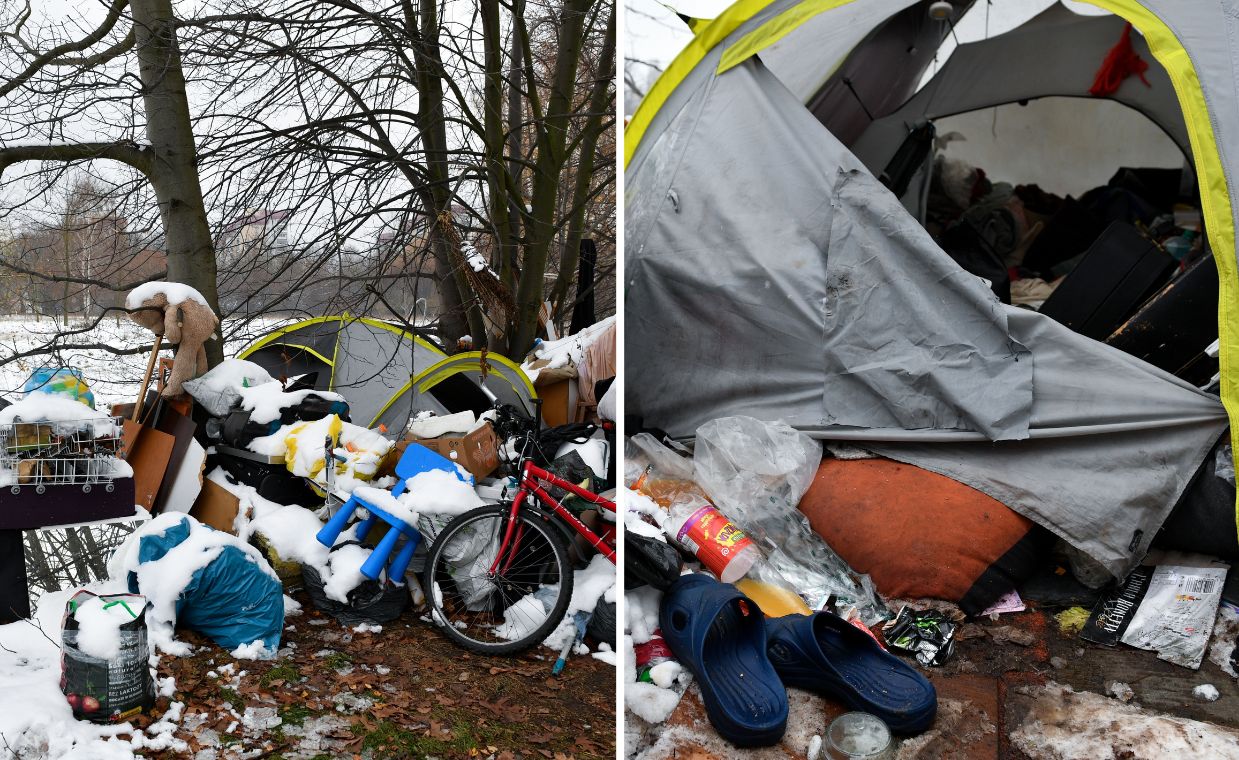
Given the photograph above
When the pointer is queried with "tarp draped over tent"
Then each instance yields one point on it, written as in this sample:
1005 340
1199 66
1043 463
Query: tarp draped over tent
770 274
386 373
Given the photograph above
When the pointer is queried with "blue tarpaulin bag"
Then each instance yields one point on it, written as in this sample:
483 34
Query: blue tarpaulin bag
231 600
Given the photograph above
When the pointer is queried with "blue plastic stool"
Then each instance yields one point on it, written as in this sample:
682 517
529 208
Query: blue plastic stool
415 460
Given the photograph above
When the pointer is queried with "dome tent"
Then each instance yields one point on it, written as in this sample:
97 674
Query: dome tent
386 373
770 274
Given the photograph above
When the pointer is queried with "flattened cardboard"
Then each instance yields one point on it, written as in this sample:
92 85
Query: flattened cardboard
216 507
147 451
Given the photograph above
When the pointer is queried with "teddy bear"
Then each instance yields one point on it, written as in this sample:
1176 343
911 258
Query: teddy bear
181 315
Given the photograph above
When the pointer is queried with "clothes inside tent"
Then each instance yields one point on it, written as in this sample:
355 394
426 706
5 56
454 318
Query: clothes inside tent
770 274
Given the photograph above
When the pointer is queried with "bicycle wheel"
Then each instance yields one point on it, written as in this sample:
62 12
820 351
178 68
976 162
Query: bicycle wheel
514 608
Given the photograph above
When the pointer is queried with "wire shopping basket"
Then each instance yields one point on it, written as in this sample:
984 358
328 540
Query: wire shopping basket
80 453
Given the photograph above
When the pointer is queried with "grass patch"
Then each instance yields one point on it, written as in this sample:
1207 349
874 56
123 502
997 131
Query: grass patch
233 698
337 661
285 672
295 715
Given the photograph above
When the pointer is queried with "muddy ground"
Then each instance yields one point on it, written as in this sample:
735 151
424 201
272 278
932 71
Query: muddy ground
404 692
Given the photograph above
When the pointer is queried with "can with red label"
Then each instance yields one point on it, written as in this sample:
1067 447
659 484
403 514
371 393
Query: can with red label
721 546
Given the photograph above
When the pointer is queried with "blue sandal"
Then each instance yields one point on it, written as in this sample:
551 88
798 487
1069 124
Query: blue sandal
719 634
825 654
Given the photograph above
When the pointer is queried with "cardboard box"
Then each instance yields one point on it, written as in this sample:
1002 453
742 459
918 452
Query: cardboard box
216 507
477 452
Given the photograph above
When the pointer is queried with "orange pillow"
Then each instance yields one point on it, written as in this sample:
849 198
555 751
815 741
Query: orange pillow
919 534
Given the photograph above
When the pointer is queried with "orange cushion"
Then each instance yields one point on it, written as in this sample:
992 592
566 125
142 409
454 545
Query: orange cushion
920 534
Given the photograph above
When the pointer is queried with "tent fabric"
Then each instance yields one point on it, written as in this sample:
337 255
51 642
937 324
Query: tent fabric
1015 66
769 274
387 374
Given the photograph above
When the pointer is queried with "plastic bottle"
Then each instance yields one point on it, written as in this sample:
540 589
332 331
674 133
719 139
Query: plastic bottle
721 546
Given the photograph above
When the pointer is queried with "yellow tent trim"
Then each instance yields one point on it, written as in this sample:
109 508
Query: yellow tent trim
278 333
440 371
1163 44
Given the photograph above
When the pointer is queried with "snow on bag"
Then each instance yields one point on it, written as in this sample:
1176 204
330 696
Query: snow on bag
105 674
217 585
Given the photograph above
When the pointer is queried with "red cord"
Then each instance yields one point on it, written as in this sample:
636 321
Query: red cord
1121 62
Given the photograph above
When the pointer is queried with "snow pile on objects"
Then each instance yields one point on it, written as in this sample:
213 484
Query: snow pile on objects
291 530
175 292
301 445
1064 723
68 416
569 350
163 580
266 401
342 573
98 626
432 492
35 719
433 426
219 390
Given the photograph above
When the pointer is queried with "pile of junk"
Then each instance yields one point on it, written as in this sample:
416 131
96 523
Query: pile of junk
334 479
914 430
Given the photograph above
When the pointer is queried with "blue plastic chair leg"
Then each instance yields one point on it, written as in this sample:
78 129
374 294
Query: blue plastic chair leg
363 528
400 564
328 534
373 566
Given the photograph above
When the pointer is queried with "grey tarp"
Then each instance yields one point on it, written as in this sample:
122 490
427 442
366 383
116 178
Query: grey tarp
769 274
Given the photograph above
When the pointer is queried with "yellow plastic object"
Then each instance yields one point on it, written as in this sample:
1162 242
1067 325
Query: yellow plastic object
775 601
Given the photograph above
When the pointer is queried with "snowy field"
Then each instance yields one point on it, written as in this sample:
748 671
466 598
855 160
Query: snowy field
112 378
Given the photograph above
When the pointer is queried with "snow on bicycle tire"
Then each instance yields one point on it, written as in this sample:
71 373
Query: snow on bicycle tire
493 604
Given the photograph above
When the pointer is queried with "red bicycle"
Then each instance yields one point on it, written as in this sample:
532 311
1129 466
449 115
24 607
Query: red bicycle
499 578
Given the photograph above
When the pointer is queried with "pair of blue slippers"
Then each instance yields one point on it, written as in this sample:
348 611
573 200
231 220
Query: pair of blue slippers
743 661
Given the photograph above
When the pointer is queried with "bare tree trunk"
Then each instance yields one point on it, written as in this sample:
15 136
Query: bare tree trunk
173 170
548 171
599 112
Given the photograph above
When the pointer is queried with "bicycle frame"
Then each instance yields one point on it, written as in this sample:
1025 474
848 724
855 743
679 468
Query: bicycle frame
532 478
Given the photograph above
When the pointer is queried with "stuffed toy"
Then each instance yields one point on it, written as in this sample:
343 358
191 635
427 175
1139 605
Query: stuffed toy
181 315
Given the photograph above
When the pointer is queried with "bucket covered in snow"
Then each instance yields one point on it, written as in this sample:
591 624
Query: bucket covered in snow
105 673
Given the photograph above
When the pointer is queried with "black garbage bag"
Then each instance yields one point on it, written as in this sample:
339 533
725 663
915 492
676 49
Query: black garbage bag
371 602
601 626
649 562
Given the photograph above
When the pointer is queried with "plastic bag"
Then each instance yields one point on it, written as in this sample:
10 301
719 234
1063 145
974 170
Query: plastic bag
107 690
757 472
372 602
232 599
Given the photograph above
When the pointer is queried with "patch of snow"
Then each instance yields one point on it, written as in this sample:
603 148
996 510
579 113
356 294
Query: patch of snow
649 702
367 628
292 608
815 748
175 292
569 350
166 686
98 632
266 401
67 415
435 426
255 650
1120 691
1206 691
1225 638
163 580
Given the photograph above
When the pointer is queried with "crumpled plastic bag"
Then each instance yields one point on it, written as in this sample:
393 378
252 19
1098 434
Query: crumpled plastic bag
756 473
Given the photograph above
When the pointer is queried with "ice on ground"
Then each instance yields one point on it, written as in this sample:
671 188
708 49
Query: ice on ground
1206 691
1063 723
161 581
175 292
1120 691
